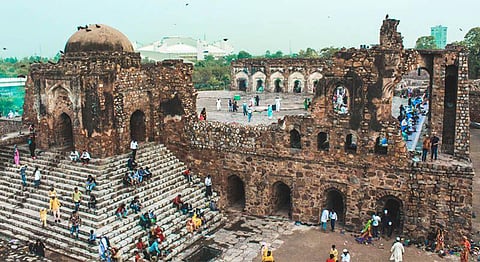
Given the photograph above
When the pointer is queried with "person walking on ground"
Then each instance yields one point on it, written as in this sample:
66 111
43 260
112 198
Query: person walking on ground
249 112
331 258
208 186
23 175
77 198
134 147
397 251
434 146
257 100
333 218
345 256
277 104
36 176
425 148
375 224
244 106
230 105
324 219
269 112
16 155
219 104
55 208
334 252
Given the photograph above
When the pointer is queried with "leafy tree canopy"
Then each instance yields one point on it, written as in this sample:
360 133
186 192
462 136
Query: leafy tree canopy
426 42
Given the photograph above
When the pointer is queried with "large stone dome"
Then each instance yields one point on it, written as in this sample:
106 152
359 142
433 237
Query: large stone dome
98 37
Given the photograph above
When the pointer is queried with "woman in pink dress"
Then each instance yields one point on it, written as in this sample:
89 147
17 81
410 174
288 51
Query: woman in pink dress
16 155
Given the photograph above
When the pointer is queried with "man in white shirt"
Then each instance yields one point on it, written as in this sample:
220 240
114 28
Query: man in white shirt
345 256
134 147
333 218
375 224
208 186
324 219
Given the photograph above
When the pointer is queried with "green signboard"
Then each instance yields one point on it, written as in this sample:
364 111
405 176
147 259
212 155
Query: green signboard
11 99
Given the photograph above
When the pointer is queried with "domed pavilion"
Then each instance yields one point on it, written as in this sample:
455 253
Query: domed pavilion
99 96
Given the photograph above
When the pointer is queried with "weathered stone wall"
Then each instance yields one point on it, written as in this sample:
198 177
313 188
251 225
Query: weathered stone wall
474 100
429 194
10 126
87 100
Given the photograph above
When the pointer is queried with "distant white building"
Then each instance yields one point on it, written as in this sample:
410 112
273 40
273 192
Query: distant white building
185 48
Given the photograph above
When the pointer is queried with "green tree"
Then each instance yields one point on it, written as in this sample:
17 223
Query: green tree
309 53
328 52
243 54
426 42
472 42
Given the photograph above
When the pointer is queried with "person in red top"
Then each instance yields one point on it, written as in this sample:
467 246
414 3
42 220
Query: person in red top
188 176
177 201
466 249
140 245
159 234
331 259
138 258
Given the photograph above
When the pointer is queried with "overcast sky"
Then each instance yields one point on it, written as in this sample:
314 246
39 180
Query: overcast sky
43 26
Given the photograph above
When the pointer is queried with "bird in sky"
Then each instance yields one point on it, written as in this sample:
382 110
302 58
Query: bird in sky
460 29
4 48
186 4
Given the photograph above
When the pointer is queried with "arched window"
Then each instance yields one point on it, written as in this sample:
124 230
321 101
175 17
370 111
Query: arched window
351 143
295 141
381 145
340 100
297 86
322 142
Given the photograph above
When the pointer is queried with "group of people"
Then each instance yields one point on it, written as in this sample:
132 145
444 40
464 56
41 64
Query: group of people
430 144
375 226
84 158
333 256
328 215
136 176
410 114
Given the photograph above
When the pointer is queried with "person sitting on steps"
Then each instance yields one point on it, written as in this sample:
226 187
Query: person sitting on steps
85 157
177 202
90 184
121 211
74 156
145 222
135 204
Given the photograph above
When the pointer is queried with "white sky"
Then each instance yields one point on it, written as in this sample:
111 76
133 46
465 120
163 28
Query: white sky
42 27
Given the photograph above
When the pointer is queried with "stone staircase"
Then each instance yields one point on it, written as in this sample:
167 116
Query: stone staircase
19 207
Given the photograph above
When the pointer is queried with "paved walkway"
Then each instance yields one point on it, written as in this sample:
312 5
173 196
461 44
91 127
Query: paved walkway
291 104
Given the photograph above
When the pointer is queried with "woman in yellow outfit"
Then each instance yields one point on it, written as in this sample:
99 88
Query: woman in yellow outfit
190 226
55 208
197 221
267 255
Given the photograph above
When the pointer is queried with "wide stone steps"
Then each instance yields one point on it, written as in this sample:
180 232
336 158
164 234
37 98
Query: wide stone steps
19 209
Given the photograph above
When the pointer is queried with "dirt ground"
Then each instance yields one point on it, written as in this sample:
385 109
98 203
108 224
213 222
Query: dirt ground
314 245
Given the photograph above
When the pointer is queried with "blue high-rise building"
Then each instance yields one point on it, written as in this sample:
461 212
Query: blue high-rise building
439 33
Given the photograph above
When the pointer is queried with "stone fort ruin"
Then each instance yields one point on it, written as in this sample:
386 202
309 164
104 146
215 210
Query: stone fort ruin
99 96
330 158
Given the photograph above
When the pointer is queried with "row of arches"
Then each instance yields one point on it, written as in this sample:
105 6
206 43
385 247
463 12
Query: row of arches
334 199
350 145
64 135
277 82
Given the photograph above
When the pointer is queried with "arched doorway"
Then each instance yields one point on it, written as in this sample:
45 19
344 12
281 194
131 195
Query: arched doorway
281 199
450 109
336 201
236 192
64 133
259 85
394 208
295 139
297 86
137 126
242 84
322 142
278 87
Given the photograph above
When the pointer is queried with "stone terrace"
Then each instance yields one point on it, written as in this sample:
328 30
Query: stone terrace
19 209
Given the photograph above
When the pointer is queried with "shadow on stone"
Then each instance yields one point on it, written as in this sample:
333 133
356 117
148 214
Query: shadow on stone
204 254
